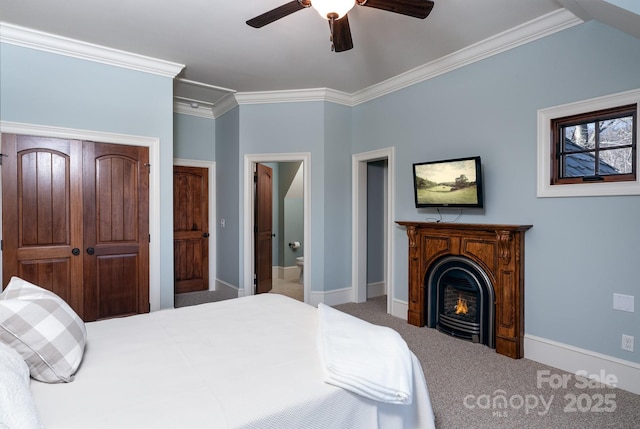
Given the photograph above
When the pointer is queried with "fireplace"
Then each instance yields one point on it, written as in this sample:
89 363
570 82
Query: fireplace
477 266
460 300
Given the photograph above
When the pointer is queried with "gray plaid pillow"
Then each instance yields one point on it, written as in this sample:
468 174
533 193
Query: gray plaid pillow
40 326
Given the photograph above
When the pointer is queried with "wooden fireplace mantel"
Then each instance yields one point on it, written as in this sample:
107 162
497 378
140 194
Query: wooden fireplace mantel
499 249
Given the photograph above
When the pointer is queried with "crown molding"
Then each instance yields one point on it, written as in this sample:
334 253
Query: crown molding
185 108
223 105
28 38
294 96
512 38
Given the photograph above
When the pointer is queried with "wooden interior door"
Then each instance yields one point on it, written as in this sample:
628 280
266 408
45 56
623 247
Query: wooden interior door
191 228
116 229
42 214
76 221
263 259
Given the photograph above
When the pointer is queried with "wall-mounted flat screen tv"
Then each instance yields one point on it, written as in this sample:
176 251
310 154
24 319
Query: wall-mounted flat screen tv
448 183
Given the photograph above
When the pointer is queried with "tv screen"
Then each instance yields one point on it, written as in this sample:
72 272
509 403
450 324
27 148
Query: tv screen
448 183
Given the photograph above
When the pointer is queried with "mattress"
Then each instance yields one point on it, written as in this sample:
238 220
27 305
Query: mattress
250 362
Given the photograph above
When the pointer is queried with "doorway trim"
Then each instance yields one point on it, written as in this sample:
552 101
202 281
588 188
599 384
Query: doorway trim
359 163
249 162
152 143
211 167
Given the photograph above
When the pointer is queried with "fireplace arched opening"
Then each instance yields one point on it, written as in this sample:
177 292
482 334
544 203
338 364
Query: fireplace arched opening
460 300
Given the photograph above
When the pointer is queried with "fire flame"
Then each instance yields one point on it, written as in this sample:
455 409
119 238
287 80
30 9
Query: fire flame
461 307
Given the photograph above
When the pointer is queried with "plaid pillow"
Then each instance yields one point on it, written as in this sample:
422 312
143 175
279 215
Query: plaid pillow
40 326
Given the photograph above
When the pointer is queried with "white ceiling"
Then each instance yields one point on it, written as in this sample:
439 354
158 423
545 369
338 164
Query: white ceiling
211 38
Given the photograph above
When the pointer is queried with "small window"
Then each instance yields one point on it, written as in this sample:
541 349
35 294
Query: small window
589 148
594 147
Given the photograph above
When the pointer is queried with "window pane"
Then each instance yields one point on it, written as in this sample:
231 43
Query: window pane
579 137
579 164
616 161
616 132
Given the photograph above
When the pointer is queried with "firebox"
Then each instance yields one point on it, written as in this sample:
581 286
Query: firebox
460 300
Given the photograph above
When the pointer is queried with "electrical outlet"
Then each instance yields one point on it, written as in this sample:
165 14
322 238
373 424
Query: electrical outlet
627 342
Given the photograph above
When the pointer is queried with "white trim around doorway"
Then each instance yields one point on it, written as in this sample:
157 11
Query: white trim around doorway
249 163
359 226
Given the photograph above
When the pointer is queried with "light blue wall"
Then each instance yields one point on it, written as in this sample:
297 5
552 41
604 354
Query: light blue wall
194 137
288 221
293 229
337 191
41 88
287 128
324 130
292 213
228 197
580 250
376 187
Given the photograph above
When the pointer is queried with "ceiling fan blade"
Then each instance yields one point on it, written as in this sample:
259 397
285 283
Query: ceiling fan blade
342 34
416 8
278 13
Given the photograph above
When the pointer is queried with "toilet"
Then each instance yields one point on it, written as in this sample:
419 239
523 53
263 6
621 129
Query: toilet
300 264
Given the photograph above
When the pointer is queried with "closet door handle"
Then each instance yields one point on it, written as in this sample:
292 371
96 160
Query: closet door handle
75 251
90 250
205 235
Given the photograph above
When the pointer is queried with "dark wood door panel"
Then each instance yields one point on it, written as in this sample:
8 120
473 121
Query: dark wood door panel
116 196
190 189
41 194
191 228
189 255
263 258
43 187
116 229
53 274
67 203
117 285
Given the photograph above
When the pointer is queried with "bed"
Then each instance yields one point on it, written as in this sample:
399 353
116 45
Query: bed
250 362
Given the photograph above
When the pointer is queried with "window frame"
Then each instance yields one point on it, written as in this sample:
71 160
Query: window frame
546 150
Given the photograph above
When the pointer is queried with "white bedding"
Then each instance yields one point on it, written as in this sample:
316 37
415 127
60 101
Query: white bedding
244 363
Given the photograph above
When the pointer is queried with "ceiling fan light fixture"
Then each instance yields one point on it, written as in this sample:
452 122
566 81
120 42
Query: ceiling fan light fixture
327 8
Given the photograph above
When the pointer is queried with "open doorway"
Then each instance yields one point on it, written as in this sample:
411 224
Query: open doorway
383 160
288 246
249 209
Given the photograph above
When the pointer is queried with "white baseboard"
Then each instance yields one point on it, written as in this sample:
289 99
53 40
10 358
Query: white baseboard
376 289
573 359
286 273
399 309
333 297
566 357
228 290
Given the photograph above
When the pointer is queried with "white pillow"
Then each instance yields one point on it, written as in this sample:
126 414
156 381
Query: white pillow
43 329
17 410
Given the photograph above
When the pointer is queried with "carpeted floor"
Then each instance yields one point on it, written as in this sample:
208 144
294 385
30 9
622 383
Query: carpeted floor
288 287
473 387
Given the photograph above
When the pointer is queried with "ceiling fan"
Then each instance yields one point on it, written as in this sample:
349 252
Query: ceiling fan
335 11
